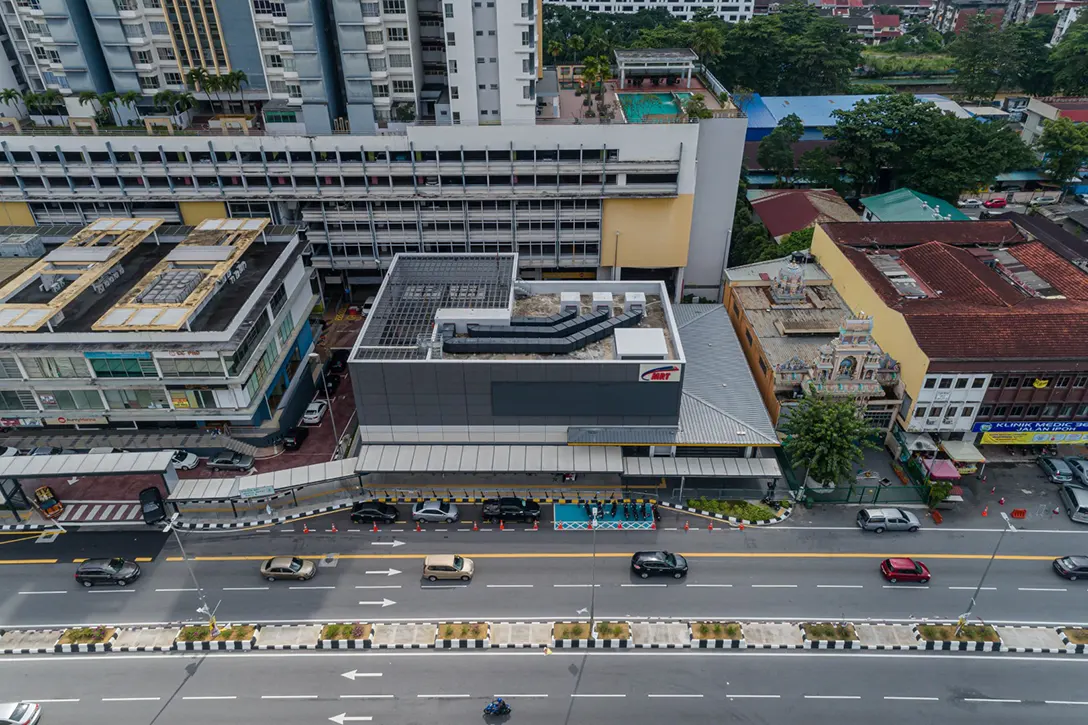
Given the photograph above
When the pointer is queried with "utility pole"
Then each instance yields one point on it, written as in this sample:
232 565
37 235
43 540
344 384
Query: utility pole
971 605
204 609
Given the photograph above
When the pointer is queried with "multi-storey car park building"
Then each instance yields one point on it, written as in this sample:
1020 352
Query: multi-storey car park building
312 66
133 323
603 201
469 369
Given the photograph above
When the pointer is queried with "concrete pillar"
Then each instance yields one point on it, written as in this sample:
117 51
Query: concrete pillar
689 76
678 294
616 273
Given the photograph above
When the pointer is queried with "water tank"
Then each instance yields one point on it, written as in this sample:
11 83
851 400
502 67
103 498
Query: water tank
570 302
634 301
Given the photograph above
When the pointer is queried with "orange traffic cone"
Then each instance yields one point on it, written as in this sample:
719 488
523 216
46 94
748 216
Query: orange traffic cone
710 526
986 511
305 529
536 525
418 527
1001 501
559 525
686 527
502 526
653 526
375 529
475 527
742 527
619 524
333 529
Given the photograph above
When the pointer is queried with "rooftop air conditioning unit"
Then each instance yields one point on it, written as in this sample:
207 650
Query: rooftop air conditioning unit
634 302
570 302
602 302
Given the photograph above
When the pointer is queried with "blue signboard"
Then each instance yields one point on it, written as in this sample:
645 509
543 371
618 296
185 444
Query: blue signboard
1032 426
105 355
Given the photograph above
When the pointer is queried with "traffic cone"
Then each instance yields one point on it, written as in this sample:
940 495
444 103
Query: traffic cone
559 525
375 528
986 511
333 529
418 527
475 527
710 526
742 527
993 490
619 524
653 526
536 525
1055 510
502 526
547 650
686 527
1001 501
305 529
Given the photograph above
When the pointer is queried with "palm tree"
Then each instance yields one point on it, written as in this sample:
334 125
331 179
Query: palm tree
32 101
164 101
185 102
89 98
708 41
213 85
555 49
129 99
238 81
106 101
598 68
575 44
197 78
11 96
52 100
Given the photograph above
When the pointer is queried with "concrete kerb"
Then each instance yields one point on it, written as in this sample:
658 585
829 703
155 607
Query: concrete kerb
773 635
288 636
145 639
104 646
26 527
1069 645
887 636
29 641
258 523
451 643
207 645
950 645
819 643
403 635
1032 639
702 643
346 643
783 514
512 635
660 635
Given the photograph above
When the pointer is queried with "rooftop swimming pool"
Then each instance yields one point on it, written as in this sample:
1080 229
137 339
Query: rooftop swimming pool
636 106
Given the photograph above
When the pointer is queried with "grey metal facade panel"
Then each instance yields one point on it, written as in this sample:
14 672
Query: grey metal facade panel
702 467
496 459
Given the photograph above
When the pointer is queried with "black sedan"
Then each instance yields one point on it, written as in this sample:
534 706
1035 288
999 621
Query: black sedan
152 505
659 563
365 512
511 509
107 571
1072 567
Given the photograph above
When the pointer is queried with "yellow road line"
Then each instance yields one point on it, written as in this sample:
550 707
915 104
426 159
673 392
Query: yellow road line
26 537
144 558
28 561
621 555
78 561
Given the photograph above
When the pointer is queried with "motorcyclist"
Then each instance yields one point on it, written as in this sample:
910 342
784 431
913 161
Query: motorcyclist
497 706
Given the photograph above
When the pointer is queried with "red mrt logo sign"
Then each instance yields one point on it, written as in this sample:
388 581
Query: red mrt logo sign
659 374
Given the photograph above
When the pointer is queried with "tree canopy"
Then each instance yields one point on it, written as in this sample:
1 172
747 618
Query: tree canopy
827 435
1064 146
1070 59
776 149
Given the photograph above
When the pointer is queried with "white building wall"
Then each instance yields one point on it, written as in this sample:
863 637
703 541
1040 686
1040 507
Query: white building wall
948 402
518 45
461 62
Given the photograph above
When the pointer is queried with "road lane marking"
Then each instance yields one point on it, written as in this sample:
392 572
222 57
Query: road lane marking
643 585
49 592
119 590
575 586
26 561
288 697
519 695
1040 589
1048 702
774 586
244 589
367 697
441 696
509 586
991 699
919 699
210 697
175 590
51 702
906 586
971 589
627 555
710 586
378 586
131 699
578 694
309 587
672 695
832 697
840 586
755 697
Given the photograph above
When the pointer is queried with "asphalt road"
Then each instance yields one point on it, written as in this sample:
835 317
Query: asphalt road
548 585
565 687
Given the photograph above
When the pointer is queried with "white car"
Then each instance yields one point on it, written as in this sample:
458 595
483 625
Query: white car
368 306
1083 199
435 510
184 460
970 203
20 713
315 411
6 451
1043 201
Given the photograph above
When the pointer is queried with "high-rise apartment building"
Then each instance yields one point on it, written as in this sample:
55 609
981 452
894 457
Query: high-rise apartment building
729 10
310 66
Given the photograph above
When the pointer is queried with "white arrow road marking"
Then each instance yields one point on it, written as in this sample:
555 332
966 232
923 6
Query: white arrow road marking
355 673
387 572
383 602
394 543
344 717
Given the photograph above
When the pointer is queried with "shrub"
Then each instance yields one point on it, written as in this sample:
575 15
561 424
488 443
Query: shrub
357 631
448 631
738 509
704 629
576 630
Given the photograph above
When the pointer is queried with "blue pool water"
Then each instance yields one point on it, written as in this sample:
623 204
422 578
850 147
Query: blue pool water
638 105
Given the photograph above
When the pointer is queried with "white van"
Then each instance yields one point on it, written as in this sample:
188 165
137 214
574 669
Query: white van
1075 501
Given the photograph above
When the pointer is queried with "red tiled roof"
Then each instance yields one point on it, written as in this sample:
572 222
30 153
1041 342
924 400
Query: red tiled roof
972 311
1077 115
789 210
1045 8
996 15
885 21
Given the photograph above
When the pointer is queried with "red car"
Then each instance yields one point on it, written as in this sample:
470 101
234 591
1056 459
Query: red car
904 570
995 203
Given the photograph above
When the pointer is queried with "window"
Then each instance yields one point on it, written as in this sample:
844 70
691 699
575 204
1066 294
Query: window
984 411
166 54
453 66
55 79
455 93
277 86
172 79
56 367
124 367
70 400
373 37
494 86
152 4
1017 411
451 39
371 10
149 83
394 7
185 399
1033 410
397 35
294 90
457 117
945 383
132 30
403 87
1001 411
377 65
238 360
1028 382
479 33
526 37
158 27
763 366
968 412
1049 411
1012 382
936 412
20 400
195 367
380 90
1067 411
280 116
126 4
270 7
276 303
931 382
952 411
1063 381
268 35
449 10
961 383
142 57
9 369
274 61
996 382
978 382
137 398
1082 411
920 412
1080 381
34 28
400 60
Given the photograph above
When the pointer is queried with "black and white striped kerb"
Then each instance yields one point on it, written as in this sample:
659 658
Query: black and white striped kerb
403 646
655 645
286 646
243 644
25 527
719 644
87 647
1040 650
887 646
29 651
593 643
832 644
144 648
949 645
787 510
521 645
462 643
344 644
749 645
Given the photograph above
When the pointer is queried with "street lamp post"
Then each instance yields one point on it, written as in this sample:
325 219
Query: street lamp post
593 568
204 608
324 386
974 596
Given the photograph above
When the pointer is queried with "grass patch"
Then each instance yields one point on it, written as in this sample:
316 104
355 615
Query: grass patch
829 631
352 630
877 63
86 635
612 630
203 633
947 632
570 630
1076 635
716 630
737 509
462 630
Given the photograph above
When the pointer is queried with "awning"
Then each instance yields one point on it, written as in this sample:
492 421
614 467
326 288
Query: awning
85 464
263 484
706 467
204 489
484 459
941 469
919 443
962 452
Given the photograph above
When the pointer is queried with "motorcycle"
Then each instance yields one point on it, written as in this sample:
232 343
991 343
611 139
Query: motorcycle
497 707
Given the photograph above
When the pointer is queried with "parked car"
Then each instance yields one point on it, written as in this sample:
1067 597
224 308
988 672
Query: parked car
288 567
1079 469
314 412
20 713
6 451
659 563
511 509
1075 502
448 566
970 203
902 569
1082 198
330 383
230 461
107 571
368 306
1072 567
1056 469
1043 201
881 520
996 203
104 451
435 510
184 460
46 451
338 363
152 505
367 512
293 438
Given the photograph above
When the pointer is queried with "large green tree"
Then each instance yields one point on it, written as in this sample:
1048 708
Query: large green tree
776 149
828 436
1070 59
820 169
1030 67
1064 147
982 60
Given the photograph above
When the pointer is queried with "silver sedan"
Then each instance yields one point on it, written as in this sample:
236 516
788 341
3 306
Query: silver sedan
435 510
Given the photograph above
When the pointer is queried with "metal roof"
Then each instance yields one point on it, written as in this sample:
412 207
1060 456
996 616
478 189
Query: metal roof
224 489
204 489
84 464
707 467
721 404
496 459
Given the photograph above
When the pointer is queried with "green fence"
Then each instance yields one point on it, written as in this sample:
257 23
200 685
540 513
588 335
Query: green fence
856 493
